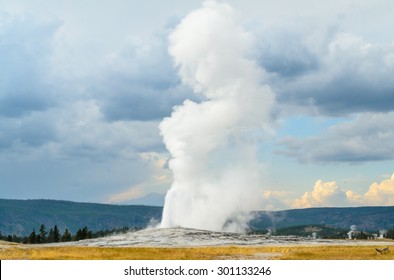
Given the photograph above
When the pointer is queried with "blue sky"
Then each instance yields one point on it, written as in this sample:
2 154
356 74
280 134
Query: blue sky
85 84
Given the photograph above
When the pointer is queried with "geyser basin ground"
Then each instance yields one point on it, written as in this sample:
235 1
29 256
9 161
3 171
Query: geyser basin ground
186 237
191 244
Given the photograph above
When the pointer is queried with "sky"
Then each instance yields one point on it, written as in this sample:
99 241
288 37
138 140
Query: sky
85 84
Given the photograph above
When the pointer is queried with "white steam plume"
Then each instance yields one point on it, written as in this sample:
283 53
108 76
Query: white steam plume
216 172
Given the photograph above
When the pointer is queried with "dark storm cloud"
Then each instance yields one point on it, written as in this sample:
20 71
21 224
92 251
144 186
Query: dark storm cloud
313 70
335 75
342 96
108 110
33 133
285 55
142 103
140 84
17 104
368 137
25 47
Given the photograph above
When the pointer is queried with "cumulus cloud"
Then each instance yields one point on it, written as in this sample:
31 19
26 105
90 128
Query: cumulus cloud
378 193
330 194
368 137
323 194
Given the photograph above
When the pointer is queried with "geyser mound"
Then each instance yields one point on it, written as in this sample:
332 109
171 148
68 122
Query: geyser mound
186 237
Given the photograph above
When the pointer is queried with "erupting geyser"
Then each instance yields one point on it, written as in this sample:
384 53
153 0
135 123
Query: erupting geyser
212 143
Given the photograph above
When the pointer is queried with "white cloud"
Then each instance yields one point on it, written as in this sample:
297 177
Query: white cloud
323 194
330 195
378 194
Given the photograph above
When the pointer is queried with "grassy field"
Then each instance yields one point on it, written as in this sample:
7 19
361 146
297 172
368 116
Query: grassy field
25 252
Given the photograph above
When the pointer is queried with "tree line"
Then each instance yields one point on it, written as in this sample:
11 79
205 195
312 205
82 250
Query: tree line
53 235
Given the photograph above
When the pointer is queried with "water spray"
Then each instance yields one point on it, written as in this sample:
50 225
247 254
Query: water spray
213 143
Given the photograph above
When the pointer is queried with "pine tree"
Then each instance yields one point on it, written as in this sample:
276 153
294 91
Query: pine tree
390 233
87 233
56 234
83 233
66 236
42 234
78 235
32 237
50 236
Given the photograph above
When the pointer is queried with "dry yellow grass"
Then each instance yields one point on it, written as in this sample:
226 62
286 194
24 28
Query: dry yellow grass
336 253
195 253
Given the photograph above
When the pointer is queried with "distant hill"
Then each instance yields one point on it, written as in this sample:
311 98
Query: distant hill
21 216
365 218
